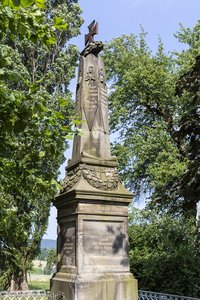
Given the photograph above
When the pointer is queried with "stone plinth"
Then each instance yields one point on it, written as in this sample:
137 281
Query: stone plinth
108 287
93 260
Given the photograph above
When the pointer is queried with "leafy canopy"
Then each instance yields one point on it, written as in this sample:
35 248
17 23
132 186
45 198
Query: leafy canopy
154 102
164 253
36 116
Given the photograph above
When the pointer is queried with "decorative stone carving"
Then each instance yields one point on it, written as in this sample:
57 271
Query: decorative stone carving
92 107
90 76
103 178
92 48
71 179
60 296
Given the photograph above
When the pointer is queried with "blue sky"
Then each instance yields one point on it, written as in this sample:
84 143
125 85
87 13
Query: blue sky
158 17
117 17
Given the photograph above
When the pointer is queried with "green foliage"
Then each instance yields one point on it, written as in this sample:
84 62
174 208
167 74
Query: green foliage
36 66
154 102
37 271
51 261
43 254
164 254
39 285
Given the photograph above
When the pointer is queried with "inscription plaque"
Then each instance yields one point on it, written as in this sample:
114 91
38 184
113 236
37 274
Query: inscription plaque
69 243
104 238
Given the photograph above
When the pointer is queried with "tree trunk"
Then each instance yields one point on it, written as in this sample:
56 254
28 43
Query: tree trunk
24 285
190 207
12 287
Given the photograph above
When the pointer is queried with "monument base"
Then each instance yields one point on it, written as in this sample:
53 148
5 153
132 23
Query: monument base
89 287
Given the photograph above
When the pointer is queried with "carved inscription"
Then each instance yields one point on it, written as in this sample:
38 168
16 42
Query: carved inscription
104 238
103 246
102 79
68 244
105 209
104 109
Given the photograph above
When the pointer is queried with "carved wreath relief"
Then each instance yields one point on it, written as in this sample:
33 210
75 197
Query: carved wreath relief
102 178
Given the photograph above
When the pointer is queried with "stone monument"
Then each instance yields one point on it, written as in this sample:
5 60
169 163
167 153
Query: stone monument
92 244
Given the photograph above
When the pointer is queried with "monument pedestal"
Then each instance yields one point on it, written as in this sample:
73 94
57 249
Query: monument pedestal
93 287
93 262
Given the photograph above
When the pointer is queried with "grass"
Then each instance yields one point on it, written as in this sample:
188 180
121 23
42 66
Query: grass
39 285
37 271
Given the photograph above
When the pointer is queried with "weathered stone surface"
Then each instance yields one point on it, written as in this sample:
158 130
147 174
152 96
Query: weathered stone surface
84 287
92 245
100 177
92 106
92 48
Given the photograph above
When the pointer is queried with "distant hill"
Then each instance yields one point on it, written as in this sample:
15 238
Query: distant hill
48 244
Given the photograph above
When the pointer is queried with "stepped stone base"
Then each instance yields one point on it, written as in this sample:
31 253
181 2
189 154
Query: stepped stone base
89 287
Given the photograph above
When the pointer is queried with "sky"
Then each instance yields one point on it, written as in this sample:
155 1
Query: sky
159 18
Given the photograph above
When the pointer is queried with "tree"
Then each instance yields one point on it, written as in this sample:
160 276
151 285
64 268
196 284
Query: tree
154 104
51 261
43 254
164 254
36 66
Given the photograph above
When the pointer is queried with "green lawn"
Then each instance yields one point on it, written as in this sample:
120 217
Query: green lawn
37 271
39 285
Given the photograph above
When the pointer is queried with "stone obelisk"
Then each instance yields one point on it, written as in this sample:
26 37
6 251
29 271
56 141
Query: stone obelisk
92 244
